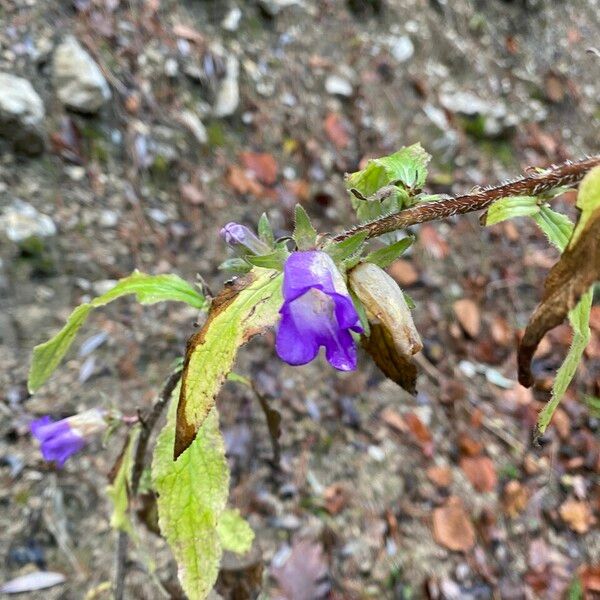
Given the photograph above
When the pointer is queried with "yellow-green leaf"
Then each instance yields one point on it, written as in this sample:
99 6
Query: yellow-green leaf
234 532
244 308
148 289
192 494
119 491
509 208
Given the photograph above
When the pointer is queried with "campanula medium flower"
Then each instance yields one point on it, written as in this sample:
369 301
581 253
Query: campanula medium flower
317 311
240 237
59 440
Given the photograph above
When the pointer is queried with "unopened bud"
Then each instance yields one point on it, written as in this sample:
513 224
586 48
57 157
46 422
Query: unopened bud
237 235
385 304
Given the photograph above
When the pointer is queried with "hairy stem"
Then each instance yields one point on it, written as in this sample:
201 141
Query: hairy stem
534 184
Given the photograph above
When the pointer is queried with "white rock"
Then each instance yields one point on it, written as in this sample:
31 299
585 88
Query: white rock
21 113
78 80
402 49
232 19
274 7
192 122
20 221
338 86
228 96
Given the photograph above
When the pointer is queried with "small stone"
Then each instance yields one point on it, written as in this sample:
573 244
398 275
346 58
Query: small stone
108 218
338 86
228 96
171 67
78 80
21 114
20 221
402 49
192 122
232 19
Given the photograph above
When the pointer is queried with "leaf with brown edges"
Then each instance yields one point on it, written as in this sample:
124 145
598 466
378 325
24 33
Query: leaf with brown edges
570 278
243 309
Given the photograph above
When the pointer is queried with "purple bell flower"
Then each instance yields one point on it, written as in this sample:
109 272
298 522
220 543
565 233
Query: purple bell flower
59 440
317 311
237 236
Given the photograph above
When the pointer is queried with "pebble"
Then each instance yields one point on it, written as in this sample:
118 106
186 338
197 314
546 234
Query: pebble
274 7
232 19
21 114
192 122
402 49
228 96
338 86
20 221
78 80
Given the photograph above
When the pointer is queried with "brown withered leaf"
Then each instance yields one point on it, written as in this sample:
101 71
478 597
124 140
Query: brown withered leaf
262 165
480 471
577 515
452 527
398 367
420 433
336 130
468 315
243 309
570 278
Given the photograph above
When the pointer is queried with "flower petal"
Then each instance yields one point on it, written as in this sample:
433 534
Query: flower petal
306 270
340 350
295 343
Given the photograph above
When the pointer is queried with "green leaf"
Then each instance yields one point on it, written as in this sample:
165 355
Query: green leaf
274 260
579 319
148 289
385 256
192 495
347 248
235 265
243 309
118 491
305 235
234 532
509 208
407 167
557 227
588 200
265 232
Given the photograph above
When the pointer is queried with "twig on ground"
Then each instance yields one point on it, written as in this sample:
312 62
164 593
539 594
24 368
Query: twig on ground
534 184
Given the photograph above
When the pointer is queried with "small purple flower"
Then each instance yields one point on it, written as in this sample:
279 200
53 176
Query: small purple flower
317 311
237 236
59 440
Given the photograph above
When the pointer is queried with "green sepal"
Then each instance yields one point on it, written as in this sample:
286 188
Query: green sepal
347 248
265 231
385 256
305 235
235 265
510 208
274 260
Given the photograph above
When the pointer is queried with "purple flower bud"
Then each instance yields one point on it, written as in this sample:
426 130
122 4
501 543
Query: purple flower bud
317 311
59 440
237 235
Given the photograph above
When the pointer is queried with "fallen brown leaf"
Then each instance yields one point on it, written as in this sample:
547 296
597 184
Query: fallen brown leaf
394 420
468 315
469 446
404 272
480 471
515 499
420 432
242 183
336 130
440 476
577 515
336 498
433 243
262 165
452 527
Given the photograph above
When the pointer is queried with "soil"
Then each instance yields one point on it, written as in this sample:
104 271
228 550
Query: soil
365 466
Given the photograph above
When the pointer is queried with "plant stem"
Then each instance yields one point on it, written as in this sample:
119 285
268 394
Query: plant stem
534 184
120 565
148 422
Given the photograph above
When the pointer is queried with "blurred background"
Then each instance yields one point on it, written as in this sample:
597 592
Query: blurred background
131 131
